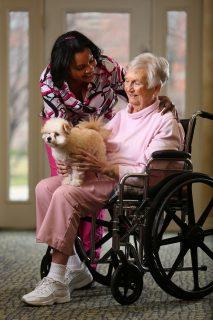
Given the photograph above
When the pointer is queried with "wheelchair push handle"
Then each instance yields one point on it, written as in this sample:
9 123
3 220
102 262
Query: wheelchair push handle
204 114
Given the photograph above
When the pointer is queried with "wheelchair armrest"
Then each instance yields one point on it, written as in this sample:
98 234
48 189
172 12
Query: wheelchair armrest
171 154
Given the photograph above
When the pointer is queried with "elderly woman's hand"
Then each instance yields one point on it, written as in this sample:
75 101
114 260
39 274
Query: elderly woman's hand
87 162
166 105
62 168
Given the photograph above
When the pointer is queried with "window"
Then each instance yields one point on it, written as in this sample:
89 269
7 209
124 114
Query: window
110 31
18 95
176 54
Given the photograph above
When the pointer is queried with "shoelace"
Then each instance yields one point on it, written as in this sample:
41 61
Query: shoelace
42 285
68 273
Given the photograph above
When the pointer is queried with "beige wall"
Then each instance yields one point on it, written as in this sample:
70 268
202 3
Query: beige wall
206 150
207 147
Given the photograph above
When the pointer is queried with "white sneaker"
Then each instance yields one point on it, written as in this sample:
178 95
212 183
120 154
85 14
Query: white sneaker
78 278
47 292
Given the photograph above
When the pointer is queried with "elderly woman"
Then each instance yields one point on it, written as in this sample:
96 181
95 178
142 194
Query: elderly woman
137 131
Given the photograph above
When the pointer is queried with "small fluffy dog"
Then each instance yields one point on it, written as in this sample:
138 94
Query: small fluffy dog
66 141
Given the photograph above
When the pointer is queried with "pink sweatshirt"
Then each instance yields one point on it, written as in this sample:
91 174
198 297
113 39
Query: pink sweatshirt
135 136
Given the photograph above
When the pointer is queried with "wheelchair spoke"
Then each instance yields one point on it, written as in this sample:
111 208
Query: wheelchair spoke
177 262
171 240
177 220
99 222
204 247
103 240
205 213
126 288
135 243
191 215
166 222
109 273
106 256
208 232
195 267
103 223
115 261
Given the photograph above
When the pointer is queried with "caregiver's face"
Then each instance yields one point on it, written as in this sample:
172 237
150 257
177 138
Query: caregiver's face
83 67
136 88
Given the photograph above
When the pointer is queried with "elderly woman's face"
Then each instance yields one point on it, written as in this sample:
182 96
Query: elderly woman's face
136 88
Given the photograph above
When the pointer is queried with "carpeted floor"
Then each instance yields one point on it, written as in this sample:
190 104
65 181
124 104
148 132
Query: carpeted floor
20 259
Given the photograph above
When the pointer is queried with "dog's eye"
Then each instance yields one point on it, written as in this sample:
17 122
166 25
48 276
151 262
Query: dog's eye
56 134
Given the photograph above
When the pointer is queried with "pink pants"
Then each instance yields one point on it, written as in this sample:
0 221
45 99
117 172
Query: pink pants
60 207
84 227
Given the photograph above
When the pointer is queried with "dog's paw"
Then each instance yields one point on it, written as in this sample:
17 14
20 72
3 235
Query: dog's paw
72 182
76 182
66 180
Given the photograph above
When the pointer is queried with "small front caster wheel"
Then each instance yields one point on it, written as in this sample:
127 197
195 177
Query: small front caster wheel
127 283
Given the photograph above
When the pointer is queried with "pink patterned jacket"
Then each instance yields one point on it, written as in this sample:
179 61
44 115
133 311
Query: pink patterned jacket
101 96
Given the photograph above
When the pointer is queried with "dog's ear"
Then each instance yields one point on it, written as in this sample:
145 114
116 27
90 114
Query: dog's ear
67 128
42 130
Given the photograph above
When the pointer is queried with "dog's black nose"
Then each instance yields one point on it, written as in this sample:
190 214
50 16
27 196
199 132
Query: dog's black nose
49 139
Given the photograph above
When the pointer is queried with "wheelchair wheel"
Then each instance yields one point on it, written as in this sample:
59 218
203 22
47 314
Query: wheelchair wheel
181 262
127 283
45 263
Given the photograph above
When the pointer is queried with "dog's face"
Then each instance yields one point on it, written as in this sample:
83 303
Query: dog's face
55 132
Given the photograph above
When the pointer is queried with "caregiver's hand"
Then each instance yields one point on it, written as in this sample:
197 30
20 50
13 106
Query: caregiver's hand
167 105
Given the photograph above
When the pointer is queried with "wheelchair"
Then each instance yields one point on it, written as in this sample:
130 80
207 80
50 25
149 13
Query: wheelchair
160 229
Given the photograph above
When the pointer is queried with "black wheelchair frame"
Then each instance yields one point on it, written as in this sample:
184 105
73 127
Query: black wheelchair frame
140 218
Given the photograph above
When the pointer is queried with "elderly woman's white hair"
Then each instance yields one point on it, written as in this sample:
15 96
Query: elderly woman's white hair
157 68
